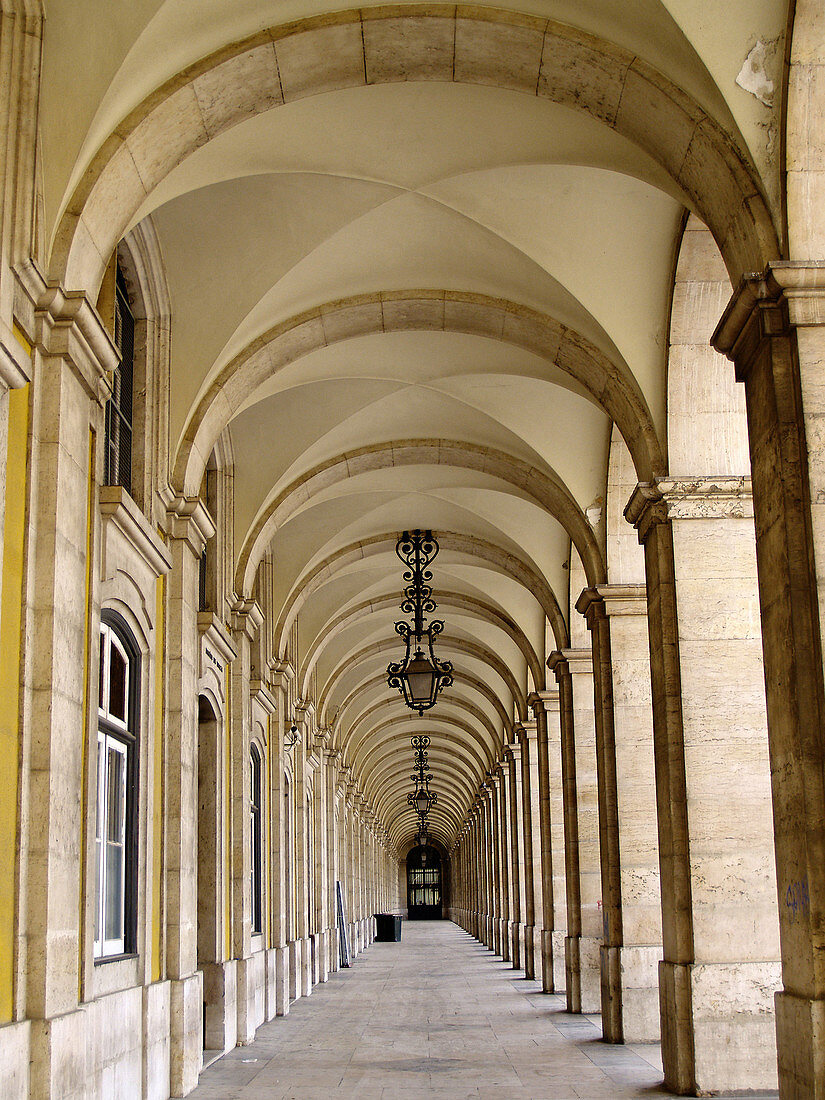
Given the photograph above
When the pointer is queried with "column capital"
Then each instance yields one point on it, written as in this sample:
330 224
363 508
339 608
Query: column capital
547 701
579 661
281 674
645 509
767 304
525 731
557 663
247 617
68 326
513 751
723 497
623 599
188 520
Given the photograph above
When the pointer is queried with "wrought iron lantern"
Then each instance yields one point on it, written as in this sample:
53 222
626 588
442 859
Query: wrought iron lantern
419 675
422 799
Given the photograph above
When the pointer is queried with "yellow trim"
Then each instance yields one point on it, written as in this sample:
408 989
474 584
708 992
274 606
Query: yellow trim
11 614
157 799
267 809
90 500
227 862
22 339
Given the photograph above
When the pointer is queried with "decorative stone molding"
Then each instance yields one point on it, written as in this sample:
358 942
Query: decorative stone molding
260 693
119 511
546 700
247 617
188 520
724 497
217 649
645 509
579 661
623 599
788 293
15 359
282 675
67 326
715 497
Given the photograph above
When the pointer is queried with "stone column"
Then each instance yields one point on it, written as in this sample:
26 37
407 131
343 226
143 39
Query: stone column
526 853
247 619
552 706
574 674
528 738
189 527
716 983
540 702
330 773
513 757
630 875
494 935
321 869
277 856
500 782
303 946
72 353
774 331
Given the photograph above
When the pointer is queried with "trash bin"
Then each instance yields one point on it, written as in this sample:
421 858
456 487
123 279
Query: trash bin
387 928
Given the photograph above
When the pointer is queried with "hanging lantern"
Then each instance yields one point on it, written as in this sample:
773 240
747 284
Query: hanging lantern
419 676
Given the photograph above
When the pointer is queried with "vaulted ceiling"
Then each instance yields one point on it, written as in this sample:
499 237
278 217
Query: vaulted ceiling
420 259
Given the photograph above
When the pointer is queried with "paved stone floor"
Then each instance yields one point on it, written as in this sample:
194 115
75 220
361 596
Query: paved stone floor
436 1015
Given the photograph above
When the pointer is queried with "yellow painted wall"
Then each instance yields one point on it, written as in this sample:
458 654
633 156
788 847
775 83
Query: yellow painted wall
157 814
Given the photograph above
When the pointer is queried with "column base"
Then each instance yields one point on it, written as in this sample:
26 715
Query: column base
305 966
250 996
630 993
718 1030
538 954
515 947
495 935
281 991
800 1029
220 996
559 975
186 1034
526 935
15 1055
58 1056
156 1022
269 985
294 950
583 974
504 939
547 969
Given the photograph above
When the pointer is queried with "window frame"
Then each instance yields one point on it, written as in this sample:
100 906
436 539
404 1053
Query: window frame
256 839
119 417
122 736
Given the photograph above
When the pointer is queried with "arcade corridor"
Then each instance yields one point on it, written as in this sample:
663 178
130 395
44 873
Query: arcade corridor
412 500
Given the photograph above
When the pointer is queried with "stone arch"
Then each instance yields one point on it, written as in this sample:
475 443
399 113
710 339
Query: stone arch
478 686
376 45
389 646
517 568
611 386
545 488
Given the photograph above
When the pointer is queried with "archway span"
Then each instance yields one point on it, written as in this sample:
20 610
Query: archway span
546 489
452 541
389 647
483 608
610 385
479 687
373 46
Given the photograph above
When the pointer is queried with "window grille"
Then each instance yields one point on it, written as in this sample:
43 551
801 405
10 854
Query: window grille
119 406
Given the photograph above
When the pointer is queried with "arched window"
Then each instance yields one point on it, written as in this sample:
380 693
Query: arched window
117 790
256 847
119 405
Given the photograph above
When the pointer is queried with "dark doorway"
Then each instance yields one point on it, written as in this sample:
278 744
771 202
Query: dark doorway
424 894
